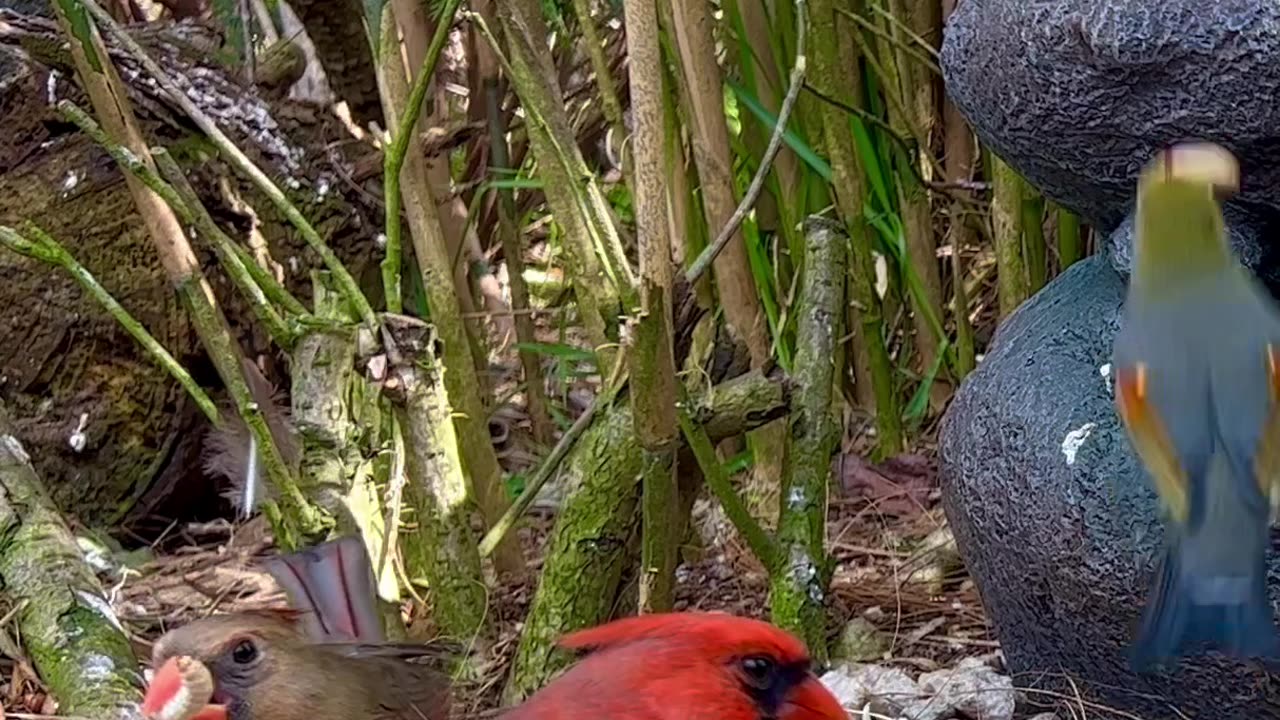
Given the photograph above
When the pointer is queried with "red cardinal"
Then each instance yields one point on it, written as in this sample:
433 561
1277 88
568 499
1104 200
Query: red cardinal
684 666
324 660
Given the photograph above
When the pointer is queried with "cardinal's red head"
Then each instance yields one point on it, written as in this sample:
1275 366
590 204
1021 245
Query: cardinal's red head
685 666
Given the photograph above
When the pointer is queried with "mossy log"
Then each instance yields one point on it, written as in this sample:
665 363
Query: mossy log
69 630
799 582
597 529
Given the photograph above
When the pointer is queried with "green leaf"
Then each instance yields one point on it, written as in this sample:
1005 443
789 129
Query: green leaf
564 351
513 184
515 485
373 25
915 409
78 18
738 463
793 141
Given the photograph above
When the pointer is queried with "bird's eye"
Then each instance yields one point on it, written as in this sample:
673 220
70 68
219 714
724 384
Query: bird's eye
244 652
758 670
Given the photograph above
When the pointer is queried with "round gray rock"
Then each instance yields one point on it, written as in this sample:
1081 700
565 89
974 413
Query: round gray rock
1055 519
1077 94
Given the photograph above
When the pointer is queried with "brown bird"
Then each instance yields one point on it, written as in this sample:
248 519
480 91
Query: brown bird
325 659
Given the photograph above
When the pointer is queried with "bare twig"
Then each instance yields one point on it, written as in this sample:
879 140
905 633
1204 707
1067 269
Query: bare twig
761 543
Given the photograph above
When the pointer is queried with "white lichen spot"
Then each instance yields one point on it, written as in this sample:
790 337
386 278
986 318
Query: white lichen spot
78 439
322 188
1074 440
805 574
98 667
796 498
51 87
14 448
380 240
94 555
72 179
882 275
98 603
1105 372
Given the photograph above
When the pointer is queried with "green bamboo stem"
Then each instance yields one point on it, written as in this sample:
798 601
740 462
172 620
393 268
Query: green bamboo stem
833 57
263 280
1069 248
44 248
1033 243
1012 287
393 158
703 262
609 101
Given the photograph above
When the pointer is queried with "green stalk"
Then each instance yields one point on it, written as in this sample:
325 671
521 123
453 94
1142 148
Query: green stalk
393 158
1069 248
1033 238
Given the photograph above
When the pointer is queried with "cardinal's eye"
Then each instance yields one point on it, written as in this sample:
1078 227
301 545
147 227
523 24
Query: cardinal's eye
758 670
244 652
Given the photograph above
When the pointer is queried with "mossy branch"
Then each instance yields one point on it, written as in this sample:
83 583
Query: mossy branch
552 462
74 639
293 517
347 284
594 536
393 158
41 246
462 382
443 549
798 585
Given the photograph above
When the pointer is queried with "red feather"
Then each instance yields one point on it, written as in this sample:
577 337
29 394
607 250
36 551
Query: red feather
681 666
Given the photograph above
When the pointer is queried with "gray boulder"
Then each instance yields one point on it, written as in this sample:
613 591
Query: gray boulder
1077 94
1054 517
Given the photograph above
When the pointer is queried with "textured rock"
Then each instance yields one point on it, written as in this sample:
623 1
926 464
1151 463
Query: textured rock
1077 94
1053 516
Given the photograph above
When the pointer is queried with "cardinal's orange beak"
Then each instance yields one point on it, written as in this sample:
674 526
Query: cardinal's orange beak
181 690
811 700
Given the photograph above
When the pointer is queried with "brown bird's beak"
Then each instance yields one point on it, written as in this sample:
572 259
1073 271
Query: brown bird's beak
181 690
811 700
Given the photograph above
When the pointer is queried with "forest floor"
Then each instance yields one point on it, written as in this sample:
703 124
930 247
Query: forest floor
900 602
885 533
